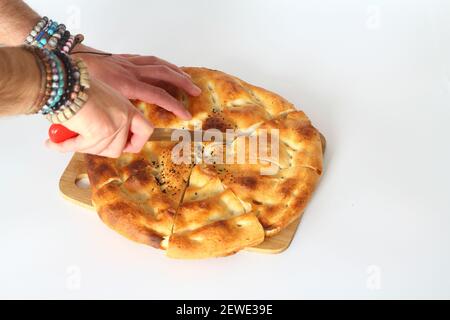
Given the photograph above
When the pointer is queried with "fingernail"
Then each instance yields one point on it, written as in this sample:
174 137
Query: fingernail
186 74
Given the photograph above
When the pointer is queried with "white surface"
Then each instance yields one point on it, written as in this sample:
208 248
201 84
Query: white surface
374 76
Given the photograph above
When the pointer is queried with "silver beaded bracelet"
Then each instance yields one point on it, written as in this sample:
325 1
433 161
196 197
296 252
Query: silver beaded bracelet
38 28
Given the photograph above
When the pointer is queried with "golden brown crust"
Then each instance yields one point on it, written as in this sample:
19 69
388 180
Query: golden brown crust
101 170
132 219
217 239
211 210
225 103
138 194
279 196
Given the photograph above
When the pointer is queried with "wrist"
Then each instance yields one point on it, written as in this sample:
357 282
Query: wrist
69 89
16 20
20 79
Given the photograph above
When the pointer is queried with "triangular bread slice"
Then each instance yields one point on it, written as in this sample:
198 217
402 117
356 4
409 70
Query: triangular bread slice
211 221
280 195
138 195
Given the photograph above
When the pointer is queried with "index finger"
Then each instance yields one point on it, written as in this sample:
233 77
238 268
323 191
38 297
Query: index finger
151 60
145 92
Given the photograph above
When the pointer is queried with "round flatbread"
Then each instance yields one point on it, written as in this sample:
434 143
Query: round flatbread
213 208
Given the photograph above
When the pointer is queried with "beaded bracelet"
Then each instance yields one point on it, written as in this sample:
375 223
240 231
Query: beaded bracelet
48 40
51 35
56 36
40 39
46 74
64 85
49 77
73 81
77 97
41 42
58 78
36 30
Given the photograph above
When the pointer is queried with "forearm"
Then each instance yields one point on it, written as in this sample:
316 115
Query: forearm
19 80
16 21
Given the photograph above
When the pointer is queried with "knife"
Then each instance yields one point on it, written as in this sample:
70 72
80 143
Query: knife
59 133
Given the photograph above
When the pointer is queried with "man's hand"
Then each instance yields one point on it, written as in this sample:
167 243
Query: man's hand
106 119
139 77
108 124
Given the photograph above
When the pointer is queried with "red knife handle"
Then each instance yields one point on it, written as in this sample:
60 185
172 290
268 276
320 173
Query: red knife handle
58 133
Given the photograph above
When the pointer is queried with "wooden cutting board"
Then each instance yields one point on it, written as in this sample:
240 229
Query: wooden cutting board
74 186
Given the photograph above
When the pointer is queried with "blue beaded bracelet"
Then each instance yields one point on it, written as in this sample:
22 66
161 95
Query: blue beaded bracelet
58 82
37 30
72 81
42 39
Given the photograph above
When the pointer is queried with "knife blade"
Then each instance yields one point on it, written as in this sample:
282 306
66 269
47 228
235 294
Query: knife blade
171 134
59 133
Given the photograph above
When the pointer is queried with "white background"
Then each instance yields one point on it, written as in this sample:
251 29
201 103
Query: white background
374 76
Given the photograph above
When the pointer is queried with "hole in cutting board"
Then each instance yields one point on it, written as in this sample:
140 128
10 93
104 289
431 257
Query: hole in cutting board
82 181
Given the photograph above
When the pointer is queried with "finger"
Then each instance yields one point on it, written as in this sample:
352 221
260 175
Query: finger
171 89
71 145
168 75
151 60
127 55
140 130
150 94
